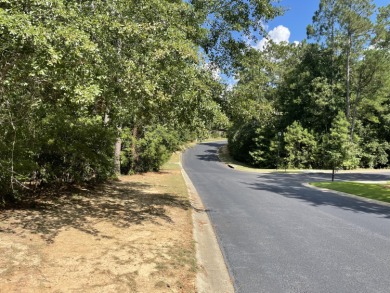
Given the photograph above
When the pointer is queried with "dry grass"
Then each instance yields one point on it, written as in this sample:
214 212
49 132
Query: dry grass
134 235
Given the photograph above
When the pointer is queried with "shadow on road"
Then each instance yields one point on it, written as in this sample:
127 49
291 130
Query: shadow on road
290 185
211 156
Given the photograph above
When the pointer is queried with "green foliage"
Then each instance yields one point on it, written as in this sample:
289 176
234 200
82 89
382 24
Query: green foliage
338 149
309 93
267 151
156 148
74 73
80 77
241 141
74 150
225 19
149 151
374 154
300 146
254 144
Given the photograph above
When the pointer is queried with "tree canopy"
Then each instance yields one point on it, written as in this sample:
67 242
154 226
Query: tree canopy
89 89
323 103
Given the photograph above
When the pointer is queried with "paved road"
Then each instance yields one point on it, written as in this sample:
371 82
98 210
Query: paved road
279 236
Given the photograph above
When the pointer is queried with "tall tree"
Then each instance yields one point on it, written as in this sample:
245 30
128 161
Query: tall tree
345 25
338 150
300 146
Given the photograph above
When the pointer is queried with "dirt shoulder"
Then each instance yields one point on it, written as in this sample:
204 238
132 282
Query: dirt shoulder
134 235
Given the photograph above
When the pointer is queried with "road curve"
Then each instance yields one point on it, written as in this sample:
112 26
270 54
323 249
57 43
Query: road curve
280 236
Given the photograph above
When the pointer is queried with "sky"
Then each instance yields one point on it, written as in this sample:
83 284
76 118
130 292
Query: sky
292 25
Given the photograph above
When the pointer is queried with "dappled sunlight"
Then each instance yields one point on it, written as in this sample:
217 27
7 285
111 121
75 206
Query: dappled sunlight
121 203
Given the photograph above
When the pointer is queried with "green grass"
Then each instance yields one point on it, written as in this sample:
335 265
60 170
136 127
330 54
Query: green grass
379 192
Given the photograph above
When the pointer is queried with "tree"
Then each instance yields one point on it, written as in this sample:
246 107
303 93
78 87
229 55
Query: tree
339 151
306 93
300 146
382 28
291 89
225 19
346 27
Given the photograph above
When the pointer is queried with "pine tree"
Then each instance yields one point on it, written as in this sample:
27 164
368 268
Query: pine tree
339 150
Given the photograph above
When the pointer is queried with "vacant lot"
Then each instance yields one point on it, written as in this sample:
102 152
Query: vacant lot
134 235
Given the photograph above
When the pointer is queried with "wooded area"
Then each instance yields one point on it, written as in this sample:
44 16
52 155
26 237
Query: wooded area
94 88
322 103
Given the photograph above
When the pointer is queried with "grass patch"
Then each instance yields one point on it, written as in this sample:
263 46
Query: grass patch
379 192
173 163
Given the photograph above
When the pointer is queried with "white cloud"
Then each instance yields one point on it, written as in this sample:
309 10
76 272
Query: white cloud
278 35
296 43
261 44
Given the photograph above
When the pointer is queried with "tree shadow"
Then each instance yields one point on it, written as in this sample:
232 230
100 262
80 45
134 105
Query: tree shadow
290 185
119 203
209 156
216 144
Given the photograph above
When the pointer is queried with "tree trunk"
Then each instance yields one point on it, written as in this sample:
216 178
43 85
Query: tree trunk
117 153
134 153
354 113
106 118
333 174
348 78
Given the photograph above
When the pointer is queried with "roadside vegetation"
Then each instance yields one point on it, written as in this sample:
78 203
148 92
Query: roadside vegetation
379 192
94 89
225 157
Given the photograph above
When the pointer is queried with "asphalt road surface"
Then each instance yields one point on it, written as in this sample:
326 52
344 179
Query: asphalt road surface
280 236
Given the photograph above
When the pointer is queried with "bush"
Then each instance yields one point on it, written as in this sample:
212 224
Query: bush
374 154
149 152
75 151
156 148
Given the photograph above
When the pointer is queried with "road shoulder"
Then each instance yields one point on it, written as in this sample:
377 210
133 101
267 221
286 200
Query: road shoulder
213 275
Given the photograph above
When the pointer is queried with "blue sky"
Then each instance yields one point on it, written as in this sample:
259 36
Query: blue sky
299 15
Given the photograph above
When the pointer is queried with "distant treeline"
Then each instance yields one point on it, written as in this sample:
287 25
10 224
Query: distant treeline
323 103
